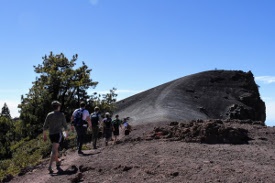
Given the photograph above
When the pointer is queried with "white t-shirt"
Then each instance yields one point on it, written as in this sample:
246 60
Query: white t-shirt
85 114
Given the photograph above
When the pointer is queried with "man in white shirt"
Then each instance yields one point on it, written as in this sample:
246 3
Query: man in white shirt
80 121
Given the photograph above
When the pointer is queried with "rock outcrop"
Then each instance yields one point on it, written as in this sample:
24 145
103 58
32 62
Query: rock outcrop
208 131
207 95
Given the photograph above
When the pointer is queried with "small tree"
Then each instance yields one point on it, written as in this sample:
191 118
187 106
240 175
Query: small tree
5 111
105 102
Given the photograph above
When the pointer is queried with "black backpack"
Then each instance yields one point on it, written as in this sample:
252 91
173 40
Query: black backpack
78 121
108 123
116 123
95 119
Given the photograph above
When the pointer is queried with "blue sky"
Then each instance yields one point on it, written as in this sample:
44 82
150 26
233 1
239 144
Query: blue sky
137 44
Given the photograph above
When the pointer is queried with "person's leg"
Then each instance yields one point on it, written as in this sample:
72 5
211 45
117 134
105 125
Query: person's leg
95 136
106 141
80 140
60 140
115 139
77 137
82 135
54 154
56 146
108 136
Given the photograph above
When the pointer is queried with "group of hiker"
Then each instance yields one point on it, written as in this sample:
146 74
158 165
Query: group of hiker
81 120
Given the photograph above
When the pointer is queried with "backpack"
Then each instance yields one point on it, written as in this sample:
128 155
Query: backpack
108 123
78 121
95 119
116 123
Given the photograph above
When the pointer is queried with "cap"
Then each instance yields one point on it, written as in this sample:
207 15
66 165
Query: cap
56 103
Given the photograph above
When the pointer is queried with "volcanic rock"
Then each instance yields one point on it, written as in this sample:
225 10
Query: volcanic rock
77 178
7 178
26 170
208 131
83 168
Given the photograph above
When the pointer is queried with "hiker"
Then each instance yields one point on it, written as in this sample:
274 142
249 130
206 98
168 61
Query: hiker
107 128
80 121
96 120
116 124
55 120
127 127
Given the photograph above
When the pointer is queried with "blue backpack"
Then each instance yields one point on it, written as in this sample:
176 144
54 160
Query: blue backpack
78 121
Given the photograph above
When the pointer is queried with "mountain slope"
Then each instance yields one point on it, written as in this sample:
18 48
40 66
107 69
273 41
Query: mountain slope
206 95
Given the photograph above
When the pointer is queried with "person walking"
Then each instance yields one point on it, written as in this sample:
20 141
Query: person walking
96 120
107 128
80 121
127 127
116 124
55 120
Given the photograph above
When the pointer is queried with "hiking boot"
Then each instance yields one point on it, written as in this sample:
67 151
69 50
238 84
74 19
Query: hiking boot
50 169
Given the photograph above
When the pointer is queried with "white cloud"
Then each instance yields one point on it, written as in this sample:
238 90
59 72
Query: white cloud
266 79
94 2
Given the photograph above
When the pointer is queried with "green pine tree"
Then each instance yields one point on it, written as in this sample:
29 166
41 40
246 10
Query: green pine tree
5 111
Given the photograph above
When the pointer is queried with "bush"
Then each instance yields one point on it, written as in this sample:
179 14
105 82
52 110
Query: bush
25 153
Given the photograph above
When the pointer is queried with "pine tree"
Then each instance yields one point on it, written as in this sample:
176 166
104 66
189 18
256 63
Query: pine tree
5 111
58 79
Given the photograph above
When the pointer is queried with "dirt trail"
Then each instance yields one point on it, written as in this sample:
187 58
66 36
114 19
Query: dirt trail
41 175
171 161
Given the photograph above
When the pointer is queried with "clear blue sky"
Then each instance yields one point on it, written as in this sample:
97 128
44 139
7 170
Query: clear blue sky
137 44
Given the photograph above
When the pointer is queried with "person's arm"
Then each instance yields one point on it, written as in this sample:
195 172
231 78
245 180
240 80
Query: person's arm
100 118
113 125
45 127
89 121
120 124
44 135
64 124
72 121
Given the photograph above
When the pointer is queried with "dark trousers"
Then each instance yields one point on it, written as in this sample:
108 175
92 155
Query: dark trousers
81 133
95 130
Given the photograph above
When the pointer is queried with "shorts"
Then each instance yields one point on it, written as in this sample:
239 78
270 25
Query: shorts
116 133
127 132
56 138
108 133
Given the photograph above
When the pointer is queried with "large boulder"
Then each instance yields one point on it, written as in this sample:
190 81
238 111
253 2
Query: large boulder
215 94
